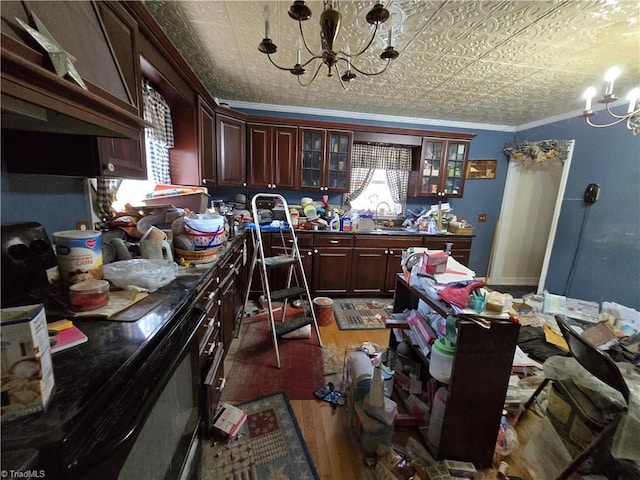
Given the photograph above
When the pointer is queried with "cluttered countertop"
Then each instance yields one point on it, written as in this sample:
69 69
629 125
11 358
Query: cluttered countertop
91 377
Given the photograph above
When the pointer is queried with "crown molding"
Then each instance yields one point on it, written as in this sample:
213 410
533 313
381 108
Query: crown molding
365 116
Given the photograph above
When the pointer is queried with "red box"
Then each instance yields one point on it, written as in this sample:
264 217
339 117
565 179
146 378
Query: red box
435 261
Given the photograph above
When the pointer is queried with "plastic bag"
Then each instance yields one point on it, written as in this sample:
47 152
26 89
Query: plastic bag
141 274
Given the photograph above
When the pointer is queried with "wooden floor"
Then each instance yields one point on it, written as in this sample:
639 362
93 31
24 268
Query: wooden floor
327 433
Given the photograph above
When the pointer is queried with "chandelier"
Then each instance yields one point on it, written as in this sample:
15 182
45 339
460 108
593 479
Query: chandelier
632 116
340 60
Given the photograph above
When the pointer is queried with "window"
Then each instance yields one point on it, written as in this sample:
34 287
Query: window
375 195
379 174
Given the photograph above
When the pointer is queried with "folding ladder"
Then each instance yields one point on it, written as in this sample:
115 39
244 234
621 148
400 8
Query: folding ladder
295 287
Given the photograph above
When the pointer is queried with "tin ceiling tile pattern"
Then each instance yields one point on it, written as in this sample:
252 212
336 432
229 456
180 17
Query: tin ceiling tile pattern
495 62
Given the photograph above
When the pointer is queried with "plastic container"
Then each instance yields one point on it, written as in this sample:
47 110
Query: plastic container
436 419
441 360
89 295
79 254
206 231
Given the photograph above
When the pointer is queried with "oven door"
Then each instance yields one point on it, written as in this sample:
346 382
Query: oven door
161 439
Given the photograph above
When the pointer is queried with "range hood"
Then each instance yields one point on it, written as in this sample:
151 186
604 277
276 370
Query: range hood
100 38
20 115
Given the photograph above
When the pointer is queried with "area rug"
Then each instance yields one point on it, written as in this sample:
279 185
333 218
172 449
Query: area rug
254 372
362 313
269 445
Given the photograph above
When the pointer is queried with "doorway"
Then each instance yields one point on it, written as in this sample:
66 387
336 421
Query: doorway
526 229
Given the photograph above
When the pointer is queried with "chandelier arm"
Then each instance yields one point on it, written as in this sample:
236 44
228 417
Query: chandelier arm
621 117
603 125
278 66
371 38
311 60
312 78
304 41
367 73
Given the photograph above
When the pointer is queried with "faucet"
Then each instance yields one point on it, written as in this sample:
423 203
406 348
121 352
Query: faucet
378 206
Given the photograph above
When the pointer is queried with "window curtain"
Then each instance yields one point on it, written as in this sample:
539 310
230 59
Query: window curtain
106 190
365 158
159 137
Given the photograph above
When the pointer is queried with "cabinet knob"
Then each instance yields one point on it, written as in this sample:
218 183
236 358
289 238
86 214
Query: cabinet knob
268 185
386 252
211 320
309 252
211 295
390 252
315 250
212 347
110 167
244 184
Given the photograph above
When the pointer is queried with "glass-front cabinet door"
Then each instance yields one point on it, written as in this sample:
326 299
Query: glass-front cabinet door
441 168
431 166
312 151
455 168
326 159
339 156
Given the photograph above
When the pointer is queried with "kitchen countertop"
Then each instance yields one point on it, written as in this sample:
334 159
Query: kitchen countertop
89 375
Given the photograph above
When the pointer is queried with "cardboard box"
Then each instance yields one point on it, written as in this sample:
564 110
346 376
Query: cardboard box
228 419
27 382
435 261
461 469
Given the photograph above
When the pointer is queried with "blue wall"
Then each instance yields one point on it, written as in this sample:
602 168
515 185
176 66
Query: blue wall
607 266
56 203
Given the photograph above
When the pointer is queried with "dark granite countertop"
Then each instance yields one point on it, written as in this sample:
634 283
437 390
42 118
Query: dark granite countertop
87 376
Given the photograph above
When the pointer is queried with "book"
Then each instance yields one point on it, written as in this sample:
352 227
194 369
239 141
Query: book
229 419
66 337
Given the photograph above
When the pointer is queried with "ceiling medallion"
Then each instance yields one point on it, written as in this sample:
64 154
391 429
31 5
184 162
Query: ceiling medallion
330 22
632 116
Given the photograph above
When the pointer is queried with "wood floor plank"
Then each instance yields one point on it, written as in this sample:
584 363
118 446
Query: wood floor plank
332 444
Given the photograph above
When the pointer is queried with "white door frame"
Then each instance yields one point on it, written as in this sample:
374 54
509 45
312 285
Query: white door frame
506 213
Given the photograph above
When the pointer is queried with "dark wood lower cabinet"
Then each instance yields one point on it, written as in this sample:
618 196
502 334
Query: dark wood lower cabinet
368 270
331 270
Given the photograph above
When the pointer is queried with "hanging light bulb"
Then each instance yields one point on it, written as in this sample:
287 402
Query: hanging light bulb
632 116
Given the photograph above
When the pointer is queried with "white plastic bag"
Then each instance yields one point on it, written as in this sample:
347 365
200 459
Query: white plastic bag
141 274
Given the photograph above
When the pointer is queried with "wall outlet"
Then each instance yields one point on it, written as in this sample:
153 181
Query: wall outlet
83 225
482 217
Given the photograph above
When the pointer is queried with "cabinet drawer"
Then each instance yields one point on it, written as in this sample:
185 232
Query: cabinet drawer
286 240
400 242
333 241
440 243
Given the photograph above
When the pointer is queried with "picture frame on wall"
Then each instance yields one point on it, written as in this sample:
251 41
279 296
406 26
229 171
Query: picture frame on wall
481 169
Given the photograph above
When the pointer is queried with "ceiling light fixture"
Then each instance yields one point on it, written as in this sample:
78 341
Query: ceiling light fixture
330 22
633 114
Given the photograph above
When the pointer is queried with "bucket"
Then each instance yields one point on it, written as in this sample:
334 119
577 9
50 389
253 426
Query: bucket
323 307
79 254
206 231
441 360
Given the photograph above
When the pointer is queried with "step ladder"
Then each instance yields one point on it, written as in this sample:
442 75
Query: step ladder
295 287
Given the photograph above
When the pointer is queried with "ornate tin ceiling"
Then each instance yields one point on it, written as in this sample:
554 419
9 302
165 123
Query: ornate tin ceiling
504 63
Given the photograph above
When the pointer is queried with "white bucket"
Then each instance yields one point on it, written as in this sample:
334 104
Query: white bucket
207 231
79 254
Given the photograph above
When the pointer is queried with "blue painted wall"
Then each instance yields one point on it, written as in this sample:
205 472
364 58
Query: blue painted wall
607 264
607 267
54 202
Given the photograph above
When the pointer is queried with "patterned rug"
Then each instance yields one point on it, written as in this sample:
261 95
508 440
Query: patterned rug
268 446
362 313
254 372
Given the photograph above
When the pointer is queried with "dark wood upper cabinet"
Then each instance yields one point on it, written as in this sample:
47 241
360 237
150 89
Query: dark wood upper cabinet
230 151
272 153
102 38
325 159
439 168
207 143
